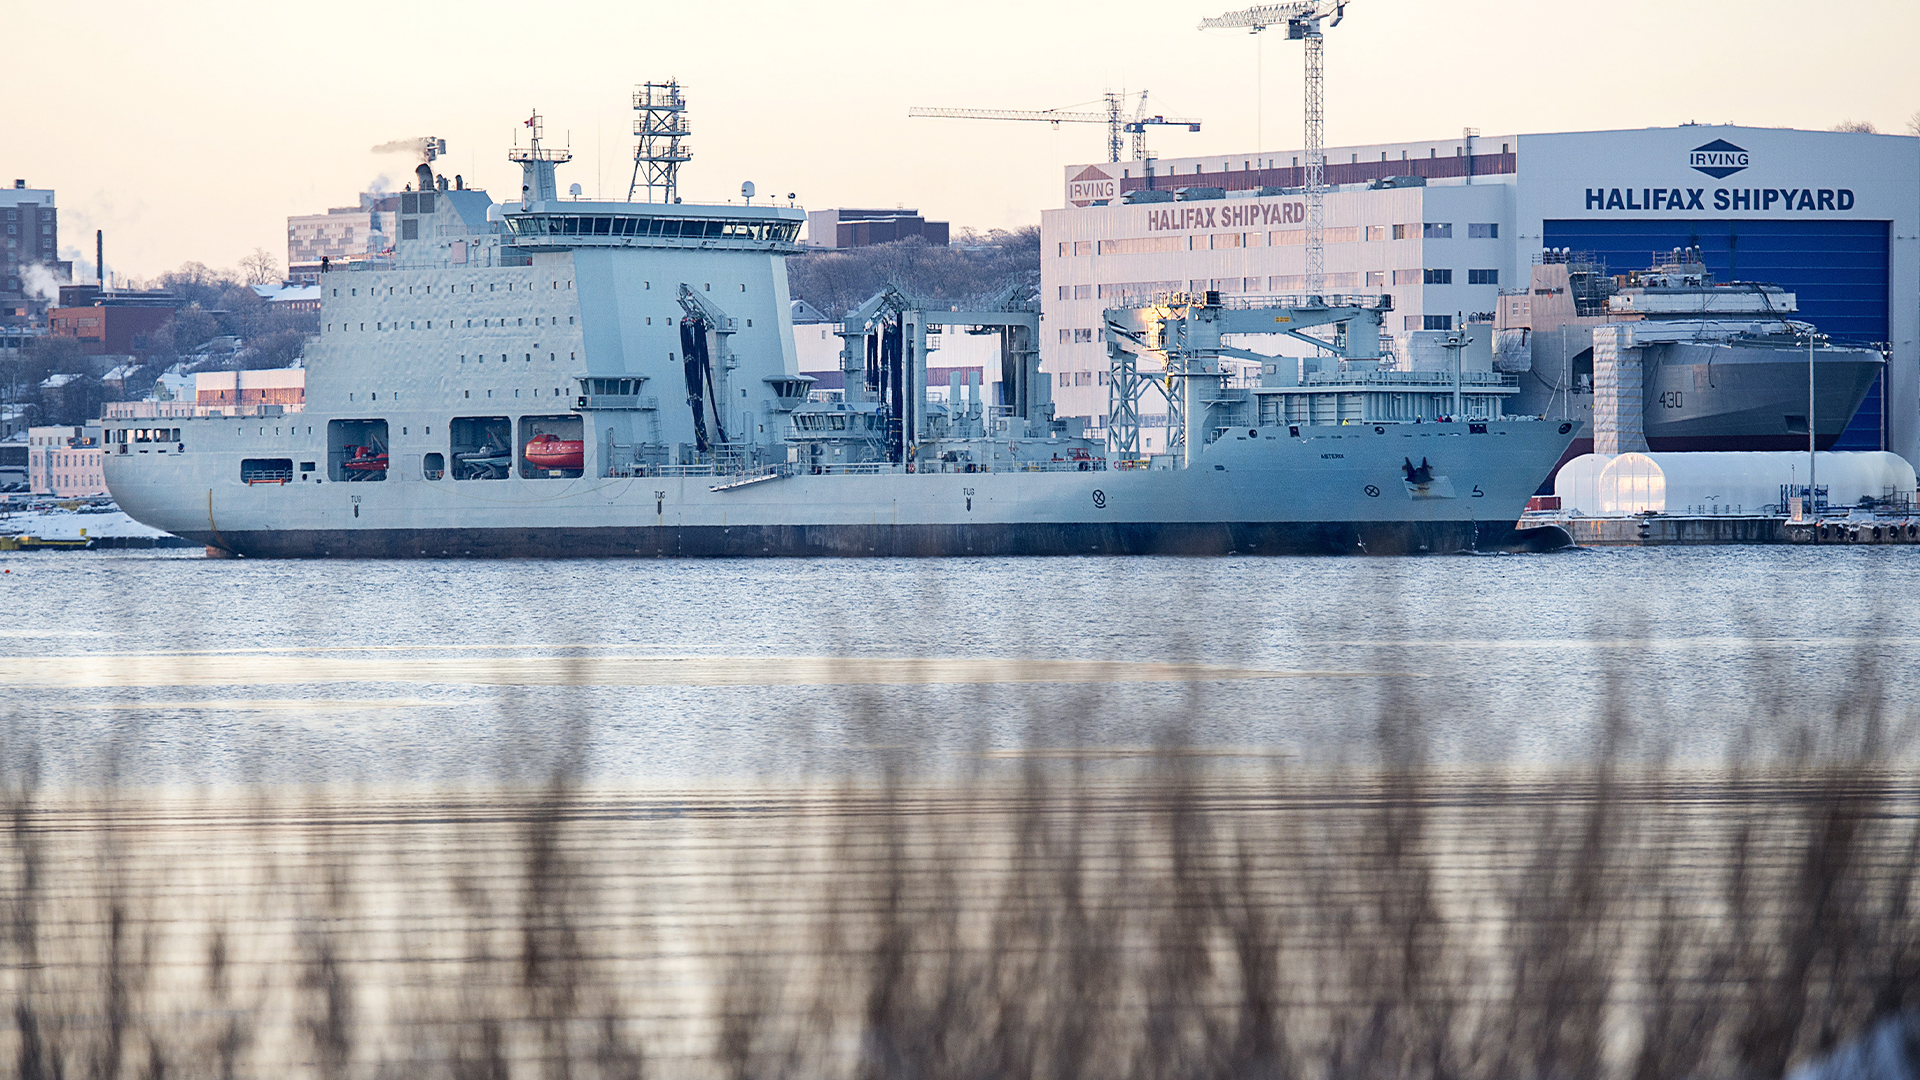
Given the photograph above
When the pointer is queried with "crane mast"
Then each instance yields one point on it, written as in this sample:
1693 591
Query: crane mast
1302 20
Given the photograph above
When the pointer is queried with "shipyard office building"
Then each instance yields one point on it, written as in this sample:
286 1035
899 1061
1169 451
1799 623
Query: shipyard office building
1830 216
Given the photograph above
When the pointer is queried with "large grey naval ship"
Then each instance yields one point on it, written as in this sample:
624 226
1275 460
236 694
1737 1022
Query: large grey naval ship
553 376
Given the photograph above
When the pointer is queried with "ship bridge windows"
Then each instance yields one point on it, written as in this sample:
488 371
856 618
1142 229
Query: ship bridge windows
551 447
672 228
482 447
356 450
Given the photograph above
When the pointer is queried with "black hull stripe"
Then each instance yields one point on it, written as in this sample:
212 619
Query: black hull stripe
895 541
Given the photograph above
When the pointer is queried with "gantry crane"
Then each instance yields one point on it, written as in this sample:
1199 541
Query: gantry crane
1114 117
1302 20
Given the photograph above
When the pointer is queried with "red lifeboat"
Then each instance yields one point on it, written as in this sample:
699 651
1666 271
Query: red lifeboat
550 451
365 459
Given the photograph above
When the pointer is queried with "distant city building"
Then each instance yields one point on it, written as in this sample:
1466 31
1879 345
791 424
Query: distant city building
342 234
14 341
13 426
274 386
111 323
301 299
849 228
32 237
13 460
65 461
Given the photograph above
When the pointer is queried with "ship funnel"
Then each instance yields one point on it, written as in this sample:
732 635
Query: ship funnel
424 174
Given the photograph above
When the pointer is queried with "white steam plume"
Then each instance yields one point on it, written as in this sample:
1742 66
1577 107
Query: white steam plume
40 282
416 147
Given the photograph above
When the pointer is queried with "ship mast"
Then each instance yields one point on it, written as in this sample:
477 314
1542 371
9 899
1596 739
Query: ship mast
536 165
662 129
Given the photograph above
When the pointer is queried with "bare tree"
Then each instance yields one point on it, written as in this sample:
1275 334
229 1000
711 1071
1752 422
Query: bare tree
260 268
1913 123
1859 127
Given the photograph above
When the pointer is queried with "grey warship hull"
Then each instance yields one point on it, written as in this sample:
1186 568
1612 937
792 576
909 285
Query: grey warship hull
895 541
1265 491
1704 396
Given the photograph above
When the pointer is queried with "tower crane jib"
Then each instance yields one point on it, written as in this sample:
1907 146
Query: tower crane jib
1119 124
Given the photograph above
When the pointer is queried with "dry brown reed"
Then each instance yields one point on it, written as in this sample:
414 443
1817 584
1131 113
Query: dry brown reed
1171 916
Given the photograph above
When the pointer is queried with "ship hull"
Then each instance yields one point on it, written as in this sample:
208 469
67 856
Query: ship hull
1713 397
1327 491
890 541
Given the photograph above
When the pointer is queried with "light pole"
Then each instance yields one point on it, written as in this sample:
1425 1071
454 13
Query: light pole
1811 460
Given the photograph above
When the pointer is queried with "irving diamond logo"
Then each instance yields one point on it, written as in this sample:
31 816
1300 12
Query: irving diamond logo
1718 159
1091 185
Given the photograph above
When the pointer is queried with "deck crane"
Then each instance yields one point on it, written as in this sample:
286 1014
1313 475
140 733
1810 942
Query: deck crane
1115 117
1302 20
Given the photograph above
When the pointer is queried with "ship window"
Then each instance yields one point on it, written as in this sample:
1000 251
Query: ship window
357 450
433 466
482 447
551 447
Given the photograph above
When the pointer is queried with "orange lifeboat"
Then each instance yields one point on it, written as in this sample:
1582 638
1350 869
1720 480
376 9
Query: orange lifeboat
550 451
365 459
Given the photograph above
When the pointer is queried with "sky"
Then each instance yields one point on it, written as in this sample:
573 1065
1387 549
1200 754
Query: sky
189 131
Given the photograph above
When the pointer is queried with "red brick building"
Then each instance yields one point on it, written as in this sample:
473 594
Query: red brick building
117 324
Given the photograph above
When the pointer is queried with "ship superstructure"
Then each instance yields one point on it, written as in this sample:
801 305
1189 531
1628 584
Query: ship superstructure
556 376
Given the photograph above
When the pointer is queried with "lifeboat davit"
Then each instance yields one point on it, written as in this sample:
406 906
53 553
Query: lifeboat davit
550 451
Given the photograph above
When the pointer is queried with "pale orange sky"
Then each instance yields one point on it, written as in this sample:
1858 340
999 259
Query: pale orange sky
189 131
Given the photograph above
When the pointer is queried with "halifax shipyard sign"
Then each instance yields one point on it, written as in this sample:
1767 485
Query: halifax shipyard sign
1720 159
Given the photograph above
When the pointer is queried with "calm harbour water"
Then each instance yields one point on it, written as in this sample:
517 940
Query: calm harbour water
166 667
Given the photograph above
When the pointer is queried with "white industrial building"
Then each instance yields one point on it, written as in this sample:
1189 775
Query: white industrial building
1444 226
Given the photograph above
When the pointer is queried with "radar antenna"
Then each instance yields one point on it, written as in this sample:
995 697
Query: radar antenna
1302 20
662 129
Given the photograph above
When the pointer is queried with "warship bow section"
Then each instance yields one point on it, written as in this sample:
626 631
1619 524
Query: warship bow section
557 377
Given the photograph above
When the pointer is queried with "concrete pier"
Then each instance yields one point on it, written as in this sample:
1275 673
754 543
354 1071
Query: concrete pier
1659 530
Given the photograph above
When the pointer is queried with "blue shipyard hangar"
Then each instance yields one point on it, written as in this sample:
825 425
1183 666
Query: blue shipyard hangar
1831 216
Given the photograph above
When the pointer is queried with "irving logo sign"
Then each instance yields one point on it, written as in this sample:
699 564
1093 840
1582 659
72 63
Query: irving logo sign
1091 186
1718 159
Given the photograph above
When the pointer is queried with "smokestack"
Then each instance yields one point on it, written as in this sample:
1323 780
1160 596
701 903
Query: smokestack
424 173
100 255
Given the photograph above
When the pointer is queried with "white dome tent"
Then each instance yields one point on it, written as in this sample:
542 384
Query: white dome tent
1725 483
